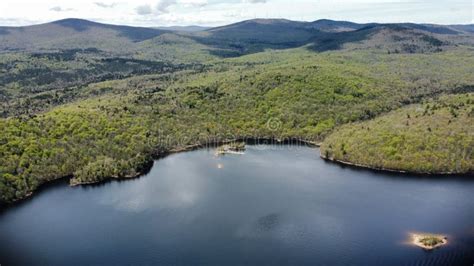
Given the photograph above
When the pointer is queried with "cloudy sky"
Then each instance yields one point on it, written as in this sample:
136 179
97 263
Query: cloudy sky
220 12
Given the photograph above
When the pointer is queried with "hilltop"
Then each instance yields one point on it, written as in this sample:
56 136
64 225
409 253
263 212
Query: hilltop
233 40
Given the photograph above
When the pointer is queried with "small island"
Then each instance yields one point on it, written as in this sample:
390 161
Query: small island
429 241
231 148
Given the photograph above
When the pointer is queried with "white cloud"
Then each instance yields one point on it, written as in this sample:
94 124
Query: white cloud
193 3
105 5
164 5
144 10
60 9
255 1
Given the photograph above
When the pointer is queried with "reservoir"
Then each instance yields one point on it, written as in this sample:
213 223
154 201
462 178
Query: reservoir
274 205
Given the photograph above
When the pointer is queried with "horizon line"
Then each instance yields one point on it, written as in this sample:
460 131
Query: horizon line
240 21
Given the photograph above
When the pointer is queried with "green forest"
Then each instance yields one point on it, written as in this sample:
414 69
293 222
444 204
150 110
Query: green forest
434 136
92 115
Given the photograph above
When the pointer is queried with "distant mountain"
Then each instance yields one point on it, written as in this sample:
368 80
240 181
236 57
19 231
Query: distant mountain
184 28
240 38
256 35
72 34
392 38
133 33
322 35
327 25
275 31
465 28
342 26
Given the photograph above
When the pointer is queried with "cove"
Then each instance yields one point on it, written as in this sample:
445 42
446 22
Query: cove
274 205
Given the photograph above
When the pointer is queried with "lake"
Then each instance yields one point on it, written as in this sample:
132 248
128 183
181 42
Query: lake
275 205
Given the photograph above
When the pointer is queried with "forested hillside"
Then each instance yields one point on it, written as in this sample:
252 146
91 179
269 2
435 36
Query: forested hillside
433 137
101 112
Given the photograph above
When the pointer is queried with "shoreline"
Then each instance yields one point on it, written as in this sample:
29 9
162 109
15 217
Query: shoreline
388 170
417 240
157 155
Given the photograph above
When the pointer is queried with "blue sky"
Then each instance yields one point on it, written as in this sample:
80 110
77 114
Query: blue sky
221 12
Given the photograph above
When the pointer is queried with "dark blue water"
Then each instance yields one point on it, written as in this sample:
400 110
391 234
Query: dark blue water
273 205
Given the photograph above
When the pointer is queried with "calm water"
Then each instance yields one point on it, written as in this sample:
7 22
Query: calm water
278 205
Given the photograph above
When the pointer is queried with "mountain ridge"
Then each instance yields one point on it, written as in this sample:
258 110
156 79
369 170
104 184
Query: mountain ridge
318 21
244 37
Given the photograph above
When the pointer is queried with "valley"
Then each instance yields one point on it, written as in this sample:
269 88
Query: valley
104 102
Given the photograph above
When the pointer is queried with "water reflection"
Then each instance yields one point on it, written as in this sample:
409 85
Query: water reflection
269 206
171 186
